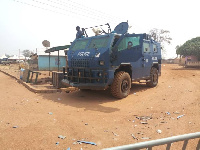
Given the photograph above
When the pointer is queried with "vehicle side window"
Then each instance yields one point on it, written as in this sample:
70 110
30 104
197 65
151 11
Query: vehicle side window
146 47
124 43
155 48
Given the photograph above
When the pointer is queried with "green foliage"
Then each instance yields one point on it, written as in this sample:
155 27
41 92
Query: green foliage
161 36
27 53
190 47
7 55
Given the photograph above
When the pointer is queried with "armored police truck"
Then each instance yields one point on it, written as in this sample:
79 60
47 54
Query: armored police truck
114 59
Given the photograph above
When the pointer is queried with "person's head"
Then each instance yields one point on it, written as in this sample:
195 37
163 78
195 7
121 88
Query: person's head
78 28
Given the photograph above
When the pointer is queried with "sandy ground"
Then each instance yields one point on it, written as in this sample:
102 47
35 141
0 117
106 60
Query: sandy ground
96 116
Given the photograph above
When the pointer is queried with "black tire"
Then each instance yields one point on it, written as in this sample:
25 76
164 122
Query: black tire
121 85
153 78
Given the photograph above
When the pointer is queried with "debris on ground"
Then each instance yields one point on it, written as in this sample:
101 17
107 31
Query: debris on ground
176 112
86 142
134 136
144 122
50 113
76 143
68 148
168 113
57 143
115 134
140 133
86 123
144 118
61 137
159 131
145 138
180 116
15 126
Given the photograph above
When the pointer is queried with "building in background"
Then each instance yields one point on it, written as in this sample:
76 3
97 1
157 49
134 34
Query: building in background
55 61
3 58
13 58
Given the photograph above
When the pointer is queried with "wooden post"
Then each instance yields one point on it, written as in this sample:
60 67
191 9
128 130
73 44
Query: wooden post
58 60
49 63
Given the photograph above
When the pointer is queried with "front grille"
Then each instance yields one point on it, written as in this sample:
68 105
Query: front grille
87 75
80 62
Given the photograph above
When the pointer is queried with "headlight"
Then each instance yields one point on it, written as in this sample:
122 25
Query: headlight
101 62
99 74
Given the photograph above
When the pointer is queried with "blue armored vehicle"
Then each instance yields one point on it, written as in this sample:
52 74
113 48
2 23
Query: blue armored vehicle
113 60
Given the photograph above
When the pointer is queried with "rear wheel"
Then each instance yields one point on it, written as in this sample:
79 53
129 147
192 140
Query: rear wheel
121 85
153 78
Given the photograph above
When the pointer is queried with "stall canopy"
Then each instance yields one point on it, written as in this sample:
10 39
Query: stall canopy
58 48
53 49
3 57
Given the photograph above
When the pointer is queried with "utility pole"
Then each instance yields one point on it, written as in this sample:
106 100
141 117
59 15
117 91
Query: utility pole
19 54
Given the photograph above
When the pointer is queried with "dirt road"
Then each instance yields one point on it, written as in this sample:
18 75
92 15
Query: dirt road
96 116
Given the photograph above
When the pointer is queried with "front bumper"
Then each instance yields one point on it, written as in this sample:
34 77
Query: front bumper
86 78
92 86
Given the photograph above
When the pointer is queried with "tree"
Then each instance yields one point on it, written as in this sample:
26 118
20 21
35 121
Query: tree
190 47
7 55
27 53
161 36
177 50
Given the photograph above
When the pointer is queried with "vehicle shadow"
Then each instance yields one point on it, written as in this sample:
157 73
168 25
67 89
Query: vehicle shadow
87 100
137 87
91 100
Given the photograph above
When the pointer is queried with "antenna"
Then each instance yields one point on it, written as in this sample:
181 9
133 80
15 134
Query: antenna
121 28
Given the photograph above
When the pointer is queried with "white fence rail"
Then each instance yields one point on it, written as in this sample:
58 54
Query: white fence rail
150 144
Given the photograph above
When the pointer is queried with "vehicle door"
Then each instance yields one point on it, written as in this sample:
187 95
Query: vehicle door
129 53
146 60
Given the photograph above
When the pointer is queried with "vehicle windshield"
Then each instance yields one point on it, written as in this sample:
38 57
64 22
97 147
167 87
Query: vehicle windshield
94 43
99 42
80 44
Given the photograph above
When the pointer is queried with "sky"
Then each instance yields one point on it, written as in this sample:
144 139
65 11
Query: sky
24 24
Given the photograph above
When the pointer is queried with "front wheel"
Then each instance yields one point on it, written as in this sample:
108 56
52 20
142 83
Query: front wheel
121 85
153 78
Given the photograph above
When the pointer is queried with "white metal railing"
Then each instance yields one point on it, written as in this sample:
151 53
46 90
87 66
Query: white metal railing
168 141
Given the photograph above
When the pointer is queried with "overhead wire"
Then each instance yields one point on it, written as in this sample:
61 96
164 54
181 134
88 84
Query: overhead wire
71 9
74 12
38 7
88 9
25 3
97 13
93 17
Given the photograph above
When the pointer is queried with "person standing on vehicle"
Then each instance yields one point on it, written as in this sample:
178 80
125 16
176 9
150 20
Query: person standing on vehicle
79 33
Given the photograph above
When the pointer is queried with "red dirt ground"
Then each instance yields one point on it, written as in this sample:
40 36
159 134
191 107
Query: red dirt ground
98 117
